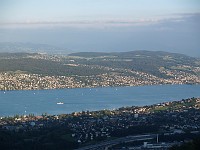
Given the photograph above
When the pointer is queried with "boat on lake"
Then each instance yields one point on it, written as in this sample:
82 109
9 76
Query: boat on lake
60 103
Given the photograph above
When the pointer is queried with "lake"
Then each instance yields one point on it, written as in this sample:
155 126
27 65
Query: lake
45 101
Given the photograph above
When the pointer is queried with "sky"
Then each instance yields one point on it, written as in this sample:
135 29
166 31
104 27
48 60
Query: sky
104 25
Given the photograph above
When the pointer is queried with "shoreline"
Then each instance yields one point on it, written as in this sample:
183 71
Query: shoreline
88 129
99 87
100 110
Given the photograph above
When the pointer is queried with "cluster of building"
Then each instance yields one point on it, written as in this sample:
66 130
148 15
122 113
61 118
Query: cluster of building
167 118
178 118
25 81
44 56
179 76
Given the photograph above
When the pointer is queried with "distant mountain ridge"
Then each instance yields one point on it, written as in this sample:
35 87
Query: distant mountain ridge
127 54
18 47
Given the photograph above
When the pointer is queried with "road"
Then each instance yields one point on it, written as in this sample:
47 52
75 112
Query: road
105 144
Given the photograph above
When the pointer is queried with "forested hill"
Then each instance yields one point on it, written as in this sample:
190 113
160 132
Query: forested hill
145 61
159 56
127 54
152 62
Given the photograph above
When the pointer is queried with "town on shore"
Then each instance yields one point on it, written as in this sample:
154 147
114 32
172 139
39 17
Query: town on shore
24 81
33 71
124 128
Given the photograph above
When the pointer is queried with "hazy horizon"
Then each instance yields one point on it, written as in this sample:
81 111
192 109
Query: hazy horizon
104 26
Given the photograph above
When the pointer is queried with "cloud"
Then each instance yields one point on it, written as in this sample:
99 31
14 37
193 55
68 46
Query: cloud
103 22
115 22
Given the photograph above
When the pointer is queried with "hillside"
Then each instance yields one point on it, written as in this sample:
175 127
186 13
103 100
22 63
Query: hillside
145 61
97 69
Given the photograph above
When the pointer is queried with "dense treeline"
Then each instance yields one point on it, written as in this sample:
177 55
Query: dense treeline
45 138
135 130
45 67
194 145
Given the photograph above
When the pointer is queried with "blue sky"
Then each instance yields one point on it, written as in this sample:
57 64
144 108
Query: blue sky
104 25
15 11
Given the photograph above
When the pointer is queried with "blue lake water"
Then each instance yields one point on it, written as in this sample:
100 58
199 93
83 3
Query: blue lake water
45 101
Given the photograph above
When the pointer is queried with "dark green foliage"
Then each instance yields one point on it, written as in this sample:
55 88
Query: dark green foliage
46 139
194 145
143 61
45 67
135 130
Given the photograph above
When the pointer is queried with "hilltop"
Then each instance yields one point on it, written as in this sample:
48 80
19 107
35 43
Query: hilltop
145 61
